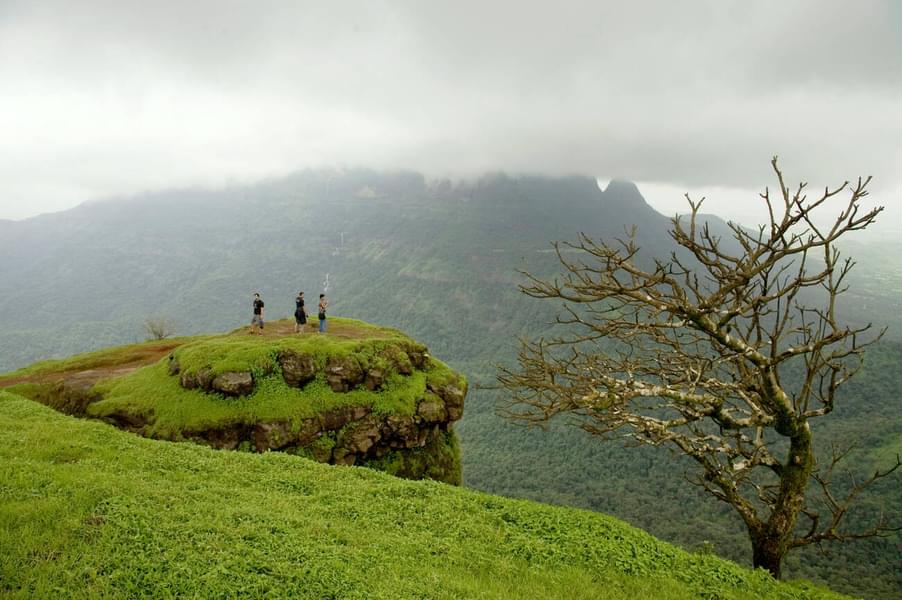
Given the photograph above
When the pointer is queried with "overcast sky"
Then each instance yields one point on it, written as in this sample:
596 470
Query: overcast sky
105 98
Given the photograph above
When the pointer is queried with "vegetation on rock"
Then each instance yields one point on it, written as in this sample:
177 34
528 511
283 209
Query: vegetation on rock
377 395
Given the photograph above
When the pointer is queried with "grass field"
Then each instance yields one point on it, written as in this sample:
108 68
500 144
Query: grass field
89 511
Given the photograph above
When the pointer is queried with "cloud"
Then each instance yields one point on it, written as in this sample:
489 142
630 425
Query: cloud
102 98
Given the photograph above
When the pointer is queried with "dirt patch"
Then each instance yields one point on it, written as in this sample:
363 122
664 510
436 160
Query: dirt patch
132 360
285 328
86 378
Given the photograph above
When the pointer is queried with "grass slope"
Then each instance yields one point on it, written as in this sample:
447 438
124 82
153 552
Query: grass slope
90 511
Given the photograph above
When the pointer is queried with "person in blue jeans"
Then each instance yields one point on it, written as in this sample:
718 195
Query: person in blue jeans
323 303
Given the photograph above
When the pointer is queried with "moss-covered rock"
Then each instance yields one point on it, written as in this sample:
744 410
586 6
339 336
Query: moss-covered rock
344 373
298 368
233 384
354 396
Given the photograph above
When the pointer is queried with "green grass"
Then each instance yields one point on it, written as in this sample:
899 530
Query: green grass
151 392
90 511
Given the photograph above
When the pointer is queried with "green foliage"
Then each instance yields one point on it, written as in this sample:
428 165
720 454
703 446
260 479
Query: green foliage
90 511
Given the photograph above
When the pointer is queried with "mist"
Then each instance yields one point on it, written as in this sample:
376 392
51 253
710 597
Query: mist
107 98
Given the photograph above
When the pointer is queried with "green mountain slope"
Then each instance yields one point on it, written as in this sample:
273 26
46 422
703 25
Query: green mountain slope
90 511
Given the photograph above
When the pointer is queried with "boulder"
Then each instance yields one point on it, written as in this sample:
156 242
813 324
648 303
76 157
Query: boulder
375 379
298 368
202 379
272 436
205 379
188 381
431 410
234 384
343 373
399 429
418 358
398 359
453 395
454 401
310 430
337 418
359 438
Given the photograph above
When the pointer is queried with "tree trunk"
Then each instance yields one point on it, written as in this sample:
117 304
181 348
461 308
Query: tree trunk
773 539
768 553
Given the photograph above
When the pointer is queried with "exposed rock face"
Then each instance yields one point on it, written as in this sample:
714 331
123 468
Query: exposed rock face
418 358
298 368
416 444
399 360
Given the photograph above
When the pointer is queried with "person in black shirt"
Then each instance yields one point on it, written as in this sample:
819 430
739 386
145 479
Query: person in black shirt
258 314
300 313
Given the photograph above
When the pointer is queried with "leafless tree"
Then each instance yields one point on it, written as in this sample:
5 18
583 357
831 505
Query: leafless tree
158 328
694 353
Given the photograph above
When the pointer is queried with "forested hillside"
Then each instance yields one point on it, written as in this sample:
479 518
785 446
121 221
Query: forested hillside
438 260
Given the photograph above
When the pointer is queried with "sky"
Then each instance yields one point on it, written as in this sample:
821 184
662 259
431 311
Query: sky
107 98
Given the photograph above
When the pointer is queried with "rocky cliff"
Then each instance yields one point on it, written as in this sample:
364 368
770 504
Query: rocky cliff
359 395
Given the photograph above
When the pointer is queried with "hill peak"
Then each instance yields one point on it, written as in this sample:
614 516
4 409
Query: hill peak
622 187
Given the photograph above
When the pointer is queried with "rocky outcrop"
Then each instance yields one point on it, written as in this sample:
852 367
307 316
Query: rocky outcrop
375 379
398 359
414 439
348 435
341 373
355 436
369 396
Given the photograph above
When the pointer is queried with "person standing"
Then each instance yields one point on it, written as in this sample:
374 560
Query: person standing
323 303
300 313
257 320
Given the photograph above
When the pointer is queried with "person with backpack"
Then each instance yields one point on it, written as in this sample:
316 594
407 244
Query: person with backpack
300 313
323 303
257 319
